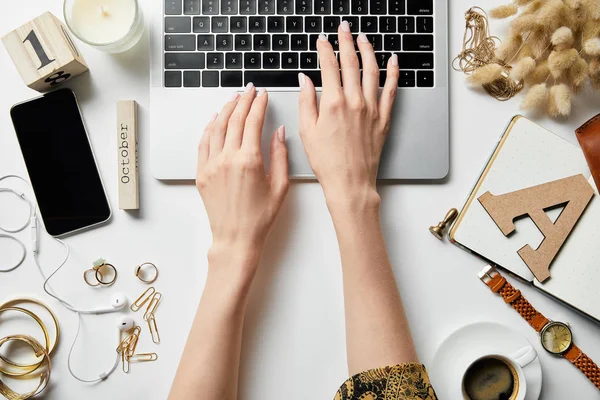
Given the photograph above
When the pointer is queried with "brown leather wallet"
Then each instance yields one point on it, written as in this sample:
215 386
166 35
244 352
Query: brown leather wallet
588 135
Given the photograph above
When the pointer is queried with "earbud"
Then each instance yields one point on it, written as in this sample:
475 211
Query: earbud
125 323
118 302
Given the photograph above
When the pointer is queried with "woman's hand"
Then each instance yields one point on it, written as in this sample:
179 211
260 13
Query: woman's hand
343 138
241 199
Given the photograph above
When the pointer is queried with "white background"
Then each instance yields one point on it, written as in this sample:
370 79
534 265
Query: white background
294 331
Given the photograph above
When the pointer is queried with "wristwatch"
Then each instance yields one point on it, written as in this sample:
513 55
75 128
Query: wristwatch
556 337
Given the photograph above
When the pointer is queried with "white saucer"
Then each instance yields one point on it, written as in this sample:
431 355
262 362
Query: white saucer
465 345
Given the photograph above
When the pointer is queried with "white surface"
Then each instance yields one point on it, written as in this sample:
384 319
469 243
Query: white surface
465 346
294 338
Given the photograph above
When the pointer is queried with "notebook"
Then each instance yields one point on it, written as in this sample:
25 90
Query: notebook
529 155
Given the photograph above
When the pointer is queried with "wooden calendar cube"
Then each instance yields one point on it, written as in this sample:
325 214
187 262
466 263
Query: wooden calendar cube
44 53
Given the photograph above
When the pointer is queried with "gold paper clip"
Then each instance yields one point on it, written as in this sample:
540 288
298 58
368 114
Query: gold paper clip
153 304
125 361
135 335
131 346
143 357
136 305
153 328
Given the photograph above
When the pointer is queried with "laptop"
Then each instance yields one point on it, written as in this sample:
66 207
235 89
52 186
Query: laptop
202 50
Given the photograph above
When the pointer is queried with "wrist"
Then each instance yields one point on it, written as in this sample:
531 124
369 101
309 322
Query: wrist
232 266
361 204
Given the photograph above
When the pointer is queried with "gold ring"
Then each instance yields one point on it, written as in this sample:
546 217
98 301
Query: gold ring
138 271
39 351
100 276
85 277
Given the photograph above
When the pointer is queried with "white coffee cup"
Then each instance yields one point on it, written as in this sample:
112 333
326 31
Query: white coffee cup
515 362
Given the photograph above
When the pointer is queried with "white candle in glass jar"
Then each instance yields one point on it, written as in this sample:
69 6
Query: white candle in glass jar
110 25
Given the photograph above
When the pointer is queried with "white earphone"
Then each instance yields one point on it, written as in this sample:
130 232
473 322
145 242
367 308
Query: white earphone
119 301
125 323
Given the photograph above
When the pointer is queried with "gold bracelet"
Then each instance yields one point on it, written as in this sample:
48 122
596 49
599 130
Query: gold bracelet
39 351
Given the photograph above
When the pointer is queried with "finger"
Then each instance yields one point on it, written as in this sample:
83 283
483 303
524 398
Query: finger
235 128
278 173
330 69
307 103
370 82
203 147
254 121
218 127
390 88
349 62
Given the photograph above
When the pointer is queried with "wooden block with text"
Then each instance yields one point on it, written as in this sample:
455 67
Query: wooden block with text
44 53
129 188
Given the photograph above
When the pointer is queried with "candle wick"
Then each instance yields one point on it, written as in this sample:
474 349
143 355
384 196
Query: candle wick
103 11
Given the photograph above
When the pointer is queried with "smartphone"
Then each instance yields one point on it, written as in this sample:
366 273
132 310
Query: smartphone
60 163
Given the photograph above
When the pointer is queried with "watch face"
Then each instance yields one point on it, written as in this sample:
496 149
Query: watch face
556 337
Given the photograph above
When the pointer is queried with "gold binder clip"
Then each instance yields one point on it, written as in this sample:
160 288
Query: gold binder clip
439 229
136 305
153 328
143 357
156 297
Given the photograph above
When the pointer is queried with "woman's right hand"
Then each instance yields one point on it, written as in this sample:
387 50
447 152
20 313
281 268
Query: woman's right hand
344 136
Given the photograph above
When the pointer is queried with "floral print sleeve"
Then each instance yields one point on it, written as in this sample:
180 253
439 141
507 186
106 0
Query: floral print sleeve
398 382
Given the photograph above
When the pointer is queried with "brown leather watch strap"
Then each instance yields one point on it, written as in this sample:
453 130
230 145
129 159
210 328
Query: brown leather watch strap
588 135
585 364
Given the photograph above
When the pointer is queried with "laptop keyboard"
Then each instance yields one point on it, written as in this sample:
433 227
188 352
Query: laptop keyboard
228 43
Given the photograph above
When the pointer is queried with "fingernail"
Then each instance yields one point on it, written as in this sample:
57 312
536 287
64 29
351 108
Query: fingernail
214 116
249 87
322 36
363 38
395 60
301 79
261 91
234 96
281 134
345 26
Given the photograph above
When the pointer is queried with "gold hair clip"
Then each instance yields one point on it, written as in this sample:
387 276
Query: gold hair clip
97 267
138 272
136 305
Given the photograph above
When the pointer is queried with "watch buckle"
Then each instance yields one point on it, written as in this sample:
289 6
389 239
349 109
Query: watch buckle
487 273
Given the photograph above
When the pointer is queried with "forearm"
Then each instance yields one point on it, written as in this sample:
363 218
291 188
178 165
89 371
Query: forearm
377 331
209 366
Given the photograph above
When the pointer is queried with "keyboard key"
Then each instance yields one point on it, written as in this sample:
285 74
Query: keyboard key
387 24
353 22
275 24
419 7
231 79
247 7
224 42
191 78
219 24
271 60
406 24
280 78
214 60
285 6
210 79
299 42
312 24
396 7
330 24
191 7
368 24
382 59
360 64
173 7
322 7
406 83
415 60
210 7
243 42
172 78
252 60
238 24
304 7
341 7
201 24
376 42
289 60
266 7
178 25
335 43
281 42
262 42
229 7
418 42
184 60
382 78
407 75
378 7
391 42
180 42
425 24
359 7
257 24
425 78
293 24
206 42
233 60
308 60
312 42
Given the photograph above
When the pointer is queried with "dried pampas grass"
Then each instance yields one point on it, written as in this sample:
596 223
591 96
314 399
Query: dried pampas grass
560 60
504 11
523 68
486 74
559 101
592 46
535 98
563 38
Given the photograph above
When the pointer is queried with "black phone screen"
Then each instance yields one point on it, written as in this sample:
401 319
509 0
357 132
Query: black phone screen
60 162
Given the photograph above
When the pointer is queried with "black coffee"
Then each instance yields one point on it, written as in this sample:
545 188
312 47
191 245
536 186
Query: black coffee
490 379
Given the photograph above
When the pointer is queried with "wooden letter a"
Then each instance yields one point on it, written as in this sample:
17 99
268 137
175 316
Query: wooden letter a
574 193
